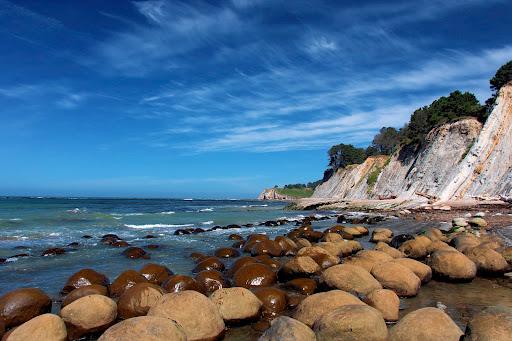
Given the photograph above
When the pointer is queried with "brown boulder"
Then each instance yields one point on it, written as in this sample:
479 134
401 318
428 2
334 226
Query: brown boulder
465 241
156 273
210 280
179 283
426 324
227 252
89 314
491 324
285 328
53 252
350 278
423 271
288 246
267 247
452 265
46 327
414 248
199 316
381 235
305 286
236 304
388 249
126 280
93 289
487 261
321 256
235 236
20 305
239 263
135 253
303 266
137 300
145 328
314 306
83 278
398 278
254 275
351 322
273 299
331 237
210 263
385 301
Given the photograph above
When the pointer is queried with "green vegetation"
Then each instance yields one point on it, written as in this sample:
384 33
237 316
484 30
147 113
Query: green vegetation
386 141
502 77
296 192
342 155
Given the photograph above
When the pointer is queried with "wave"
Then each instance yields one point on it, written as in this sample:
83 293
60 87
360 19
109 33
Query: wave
209 222
151 226
167 212
76 211
188 199
127 214
246 206
206 210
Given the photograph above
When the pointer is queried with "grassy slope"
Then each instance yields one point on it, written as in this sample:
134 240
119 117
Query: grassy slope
296 192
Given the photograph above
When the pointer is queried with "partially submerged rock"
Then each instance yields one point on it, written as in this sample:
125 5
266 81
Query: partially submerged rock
350 278
20 305
385 301
285 328
452 265
398 278
145 328
236 304
491 324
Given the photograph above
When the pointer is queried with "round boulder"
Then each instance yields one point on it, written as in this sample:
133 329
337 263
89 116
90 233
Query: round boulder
199 317
179 283
20 305
254 275
303 266
397 278
452 265
210 263
423 271
414 248
227 252
385 301
285 328
388 249
125 281
147 328
426 324
46 327
135 253
351 322
304 286
236 304
487 260
93 289
273 299
85 277
350 278
314 306
89 314
156 273
491 324
137 300
210 280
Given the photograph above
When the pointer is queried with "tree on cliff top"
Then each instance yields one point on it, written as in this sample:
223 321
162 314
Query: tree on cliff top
342 155
502 77
385 141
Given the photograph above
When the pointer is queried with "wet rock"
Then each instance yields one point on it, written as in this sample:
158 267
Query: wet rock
236 304
83 278
321 256
398 278
400 239
53 252
305 286
93 289
179 283
227 252
491 324
235 236
74 244
156 273
452 265
211 280
274 301
181 232
210 263
124 281
353 231
89 314
198 257
239 263
437 245
301 242
274 263
385 301
238 245
137 300
294 299
147 328
120 243
351 322
426 324
362 230
46 327
267 247
86 236
381 235
314 306
301 266
254 275
152 246
149 236
381 246
288 246
488 261
312 236
423 271
135 253
285 328
199 316
20 305
331 237
414 248
350 278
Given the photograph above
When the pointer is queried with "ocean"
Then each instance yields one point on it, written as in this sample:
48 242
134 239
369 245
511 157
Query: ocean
32 225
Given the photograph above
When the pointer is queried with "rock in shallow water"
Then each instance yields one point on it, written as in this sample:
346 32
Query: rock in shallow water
236 304
83 278
254 275
285 328
156 273
137 300
350 278
20 305
452 265
93 289
491 324
145 328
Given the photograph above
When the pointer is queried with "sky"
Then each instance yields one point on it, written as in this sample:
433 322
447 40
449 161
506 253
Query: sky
220 99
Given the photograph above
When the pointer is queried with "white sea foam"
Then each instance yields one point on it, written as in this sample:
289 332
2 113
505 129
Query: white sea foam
188 199
151 226
15 219
206 210
167 212
209 222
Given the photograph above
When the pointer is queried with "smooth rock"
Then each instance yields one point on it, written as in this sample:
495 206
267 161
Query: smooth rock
254 275
124 281
83 278
93 289
452 265
273 299
46 327
156 273
350 278
423 271
285 328
385 301
20 305
211 280
145 328
179 283
490 324
137 300
398 278
236 304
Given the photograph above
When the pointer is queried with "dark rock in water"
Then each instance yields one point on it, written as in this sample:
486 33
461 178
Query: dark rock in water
53 252
312 236
2 260
86 236
110 235
120 243
267 247
249 225
137 300
135 253
110 239
198 257
21 247
233 226
20 255
181 232
261 326
74 244
125 281
83 278
274 301
156 273
198 230
179 283
235 236
238 245
210 263
149 236
211 280
400 239
254 275
20 305
274 263
227 252
294 300
271 223
239 263
93 289
305 286
153 246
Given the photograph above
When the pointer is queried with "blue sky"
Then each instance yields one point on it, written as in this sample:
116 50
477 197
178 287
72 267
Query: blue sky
221 98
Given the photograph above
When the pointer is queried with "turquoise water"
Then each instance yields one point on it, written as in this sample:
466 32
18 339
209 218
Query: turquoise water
31 225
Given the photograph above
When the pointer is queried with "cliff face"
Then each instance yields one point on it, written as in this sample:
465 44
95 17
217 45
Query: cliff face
459 160
272 194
